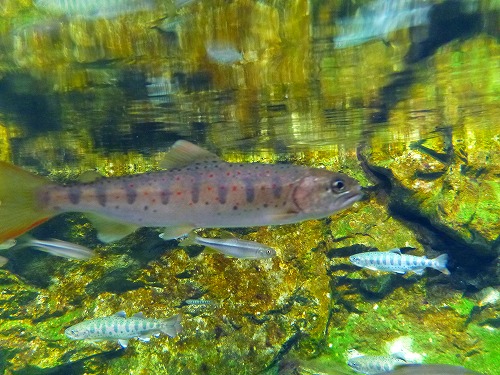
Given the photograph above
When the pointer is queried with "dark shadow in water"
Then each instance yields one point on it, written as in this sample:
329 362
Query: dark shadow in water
78 367
447 21
471 266
21 97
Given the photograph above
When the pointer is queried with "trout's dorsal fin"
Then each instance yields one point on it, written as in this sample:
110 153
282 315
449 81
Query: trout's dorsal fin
109 230
184 153
120 314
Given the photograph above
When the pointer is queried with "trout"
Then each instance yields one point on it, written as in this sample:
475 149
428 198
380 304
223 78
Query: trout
197 190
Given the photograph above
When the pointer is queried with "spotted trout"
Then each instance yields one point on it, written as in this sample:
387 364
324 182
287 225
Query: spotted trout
197 190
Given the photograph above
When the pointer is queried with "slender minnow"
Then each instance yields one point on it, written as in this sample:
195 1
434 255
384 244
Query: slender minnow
371 365
417 369
59 248
394 261
198 190
234 247
119 327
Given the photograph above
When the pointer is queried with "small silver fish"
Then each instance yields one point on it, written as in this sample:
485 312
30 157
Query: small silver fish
234 247
59 248
414 369
119 327
223 53
394 261
372 365
199 302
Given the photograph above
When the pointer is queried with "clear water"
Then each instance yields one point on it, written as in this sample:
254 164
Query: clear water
408 106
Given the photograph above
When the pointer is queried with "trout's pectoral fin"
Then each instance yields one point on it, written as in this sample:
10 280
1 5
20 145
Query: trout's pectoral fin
171 233
144 338
419 271
109 230
123 343
184 153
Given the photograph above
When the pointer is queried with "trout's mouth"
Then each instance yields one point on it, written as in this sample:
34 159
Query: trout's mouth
352 197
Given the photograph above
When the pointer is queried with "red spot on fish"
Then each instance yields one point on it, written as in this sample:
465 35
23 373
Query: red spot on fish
153 200
228 173
209 188
235 188
131 185
177 178
262 187
210 175
179 192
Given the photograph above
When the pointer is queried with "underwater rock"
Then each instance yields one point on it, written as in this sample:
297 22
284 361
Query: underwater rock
448 183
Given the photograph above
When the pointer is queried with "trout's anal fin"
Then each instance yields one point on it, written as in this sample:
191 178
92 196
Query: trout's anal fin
110 230
171 233
184 153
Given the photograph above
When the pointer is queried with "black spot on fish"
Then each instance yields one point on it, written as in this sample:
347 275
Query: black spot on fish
165 196
131 193
195 192
235 207
249 190
100 193
146 208
74 194
222 193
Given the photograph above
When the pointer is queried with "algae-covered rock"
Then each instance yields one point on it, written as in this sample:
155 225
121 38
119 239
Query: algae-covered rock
448 176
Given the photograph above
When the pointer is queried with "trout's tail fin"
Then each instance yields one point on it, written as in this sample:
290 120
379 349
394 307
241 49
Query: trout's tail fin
440 263
19 211
172 326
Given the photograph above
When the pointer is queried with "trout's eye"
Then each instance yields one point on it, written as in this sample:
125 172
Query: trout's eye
337 186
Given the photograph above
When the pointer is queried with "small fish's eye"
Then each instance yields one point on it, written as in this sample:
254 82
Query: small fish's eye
268 251
338 186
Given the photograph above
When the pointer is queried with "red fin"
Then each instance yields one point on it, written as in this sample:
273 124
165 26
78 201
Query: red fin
18 201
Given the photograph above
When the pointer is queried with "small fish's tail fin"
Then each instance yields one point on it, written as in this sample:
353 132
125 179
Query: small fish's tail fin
172 326
440 263
18 207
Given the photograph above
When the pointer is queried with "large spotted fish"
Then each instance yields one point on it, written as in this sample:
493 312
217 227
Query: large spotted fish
197 190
